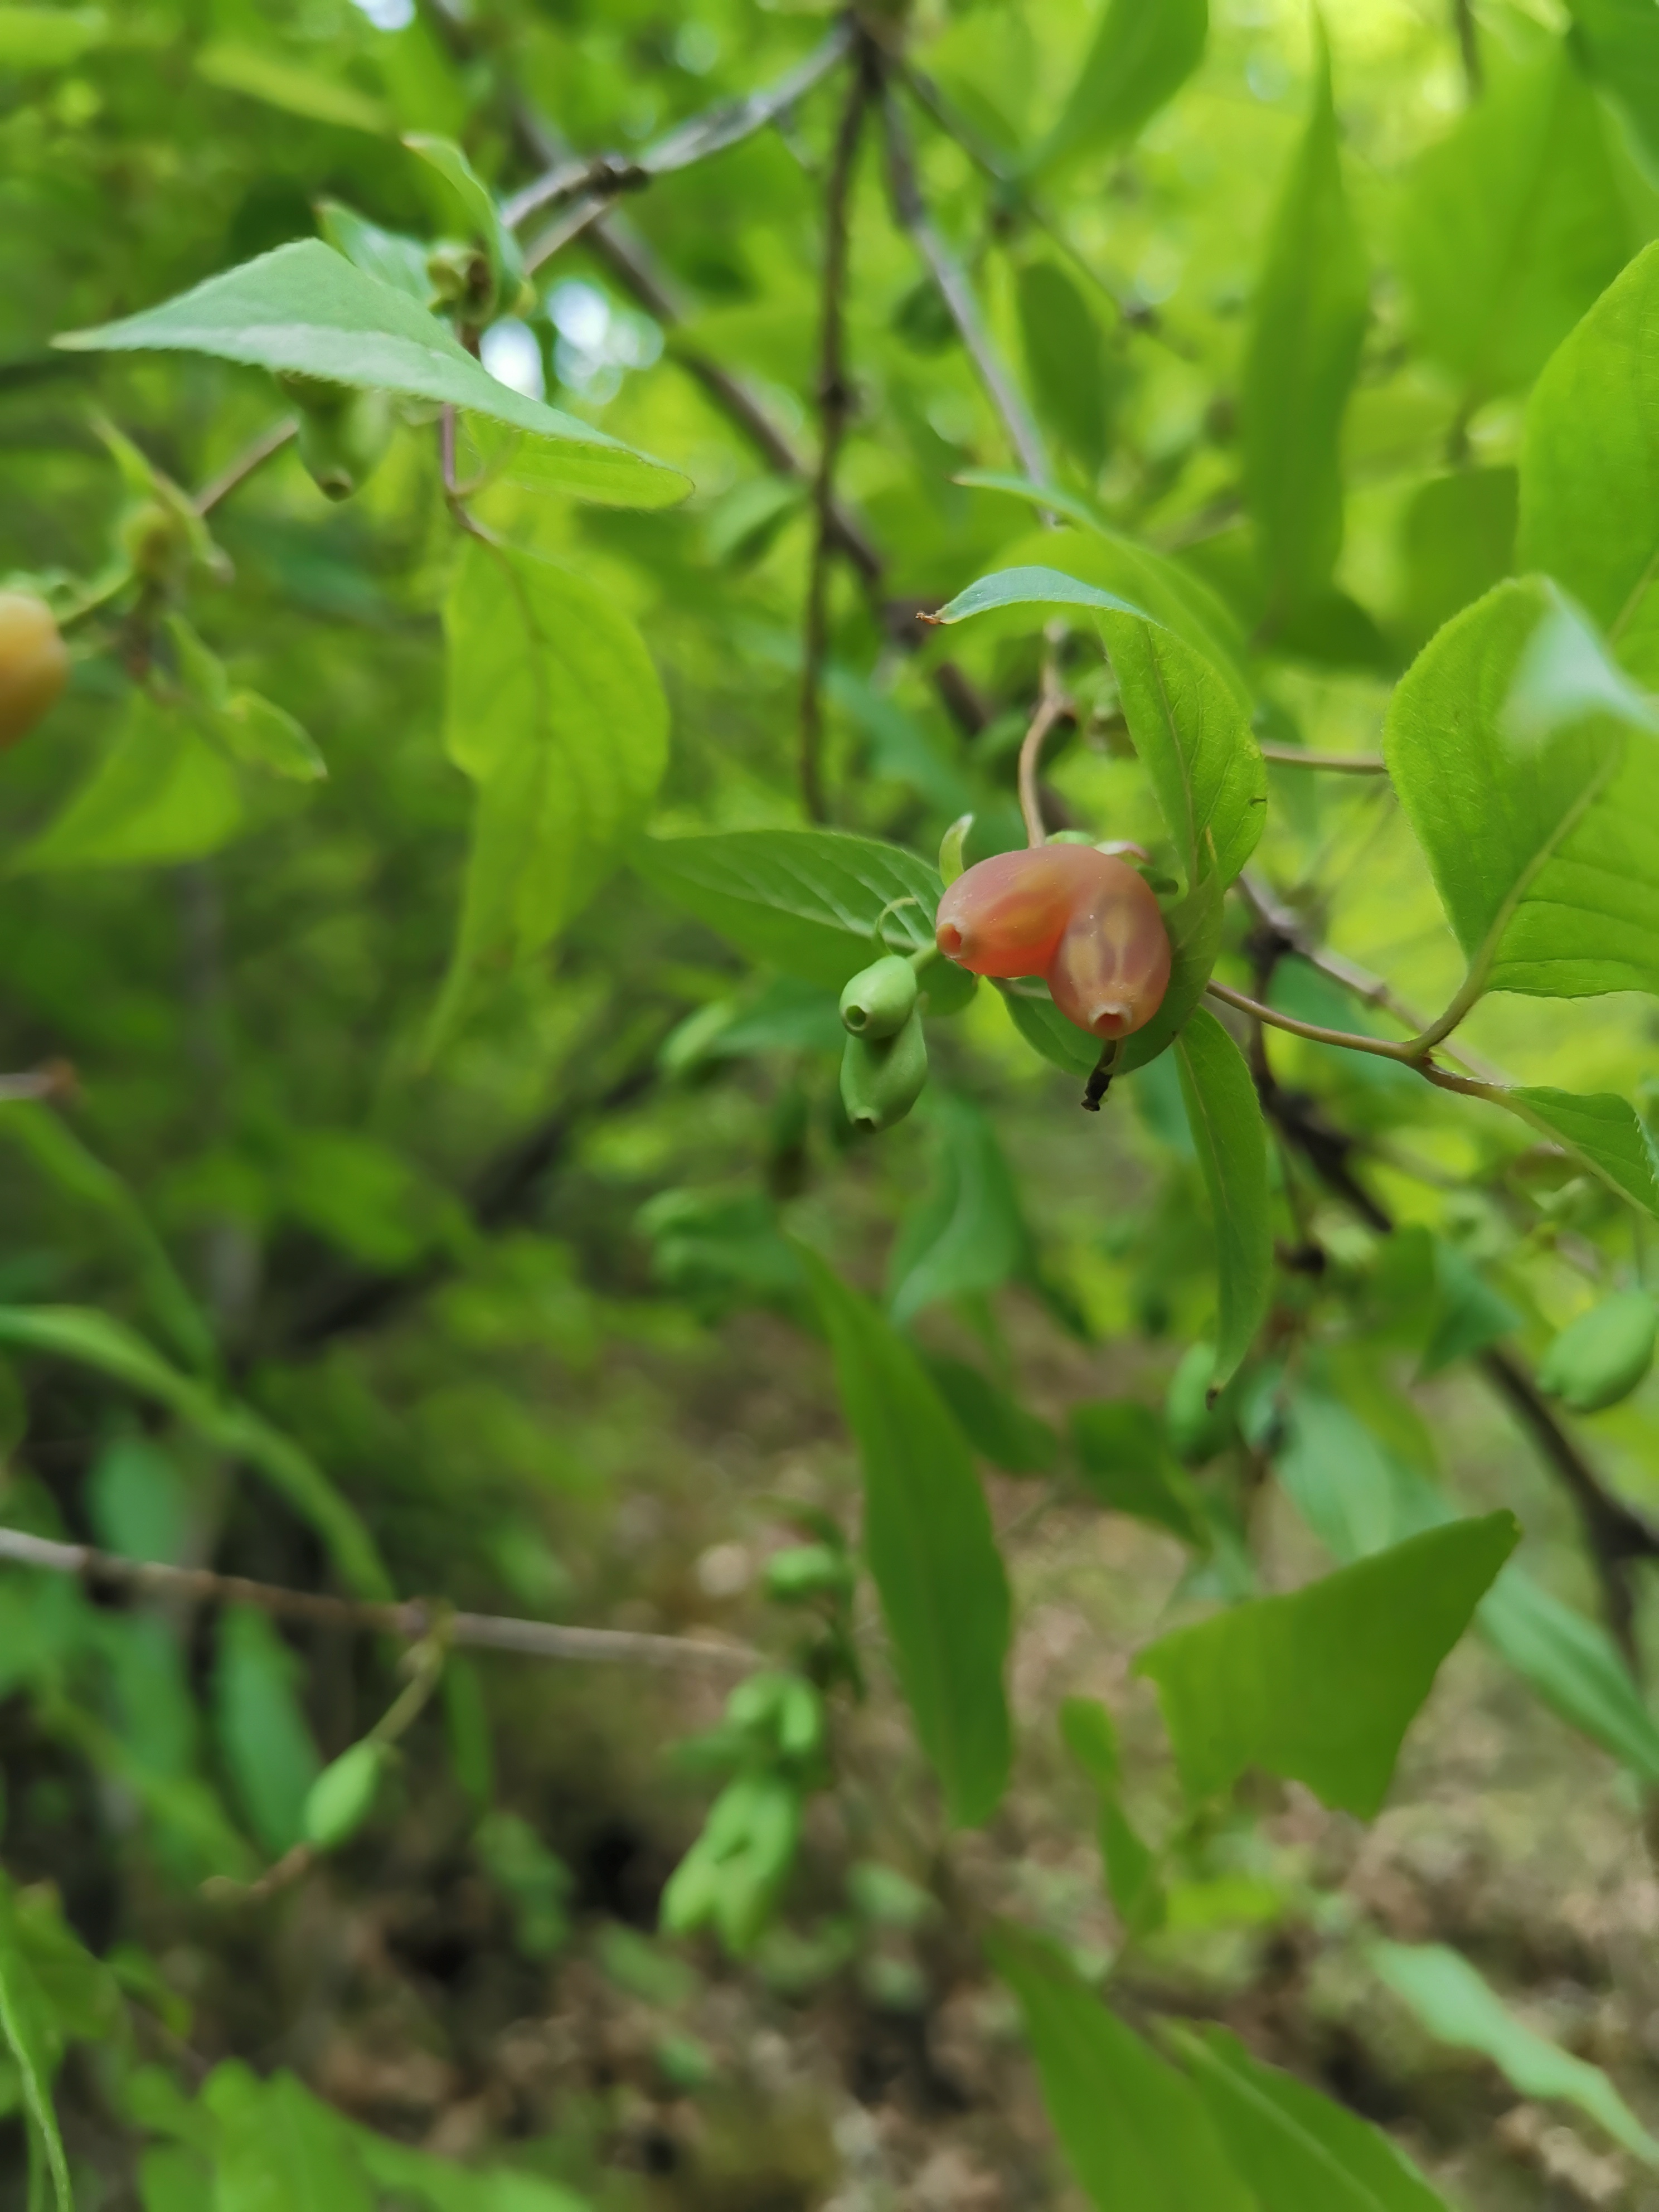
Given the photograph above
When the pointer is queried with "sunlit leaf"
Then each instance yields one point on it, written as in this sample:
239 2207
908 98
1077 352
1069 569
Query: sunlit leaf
305 308
1321 1685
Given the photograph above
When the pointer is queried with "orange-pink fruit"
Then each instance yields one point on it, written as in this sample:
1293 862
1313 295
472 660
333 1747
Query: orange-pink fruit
33 664
1085 921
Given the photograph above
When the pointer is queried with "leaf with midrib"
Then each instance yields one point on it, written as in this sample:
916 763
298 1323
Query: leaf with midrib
1319 1686
305 308
806 901
1298 2150
1134 2130
1590 464
1188 721
1307 327
1544 850
929 1538
1231 1140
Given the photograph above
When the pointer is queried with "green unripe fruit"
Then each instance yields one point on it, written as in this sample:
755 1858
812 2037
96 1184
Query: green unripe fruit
1602 1356
882 1078
880 1000
806 1572
343 1796
342 446
33 664
156 541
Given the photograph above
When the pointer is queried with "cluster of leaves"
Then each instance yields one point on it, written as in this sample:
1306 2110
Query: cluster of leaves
1425 506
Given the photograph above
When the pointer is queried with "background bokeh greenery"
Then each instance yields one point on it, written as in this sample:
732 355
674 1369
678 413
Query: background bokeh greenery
531 1307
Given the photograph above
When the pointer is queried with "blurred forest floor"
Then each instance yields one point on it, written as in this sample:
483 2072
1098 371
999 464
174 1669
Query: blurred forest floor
861 2061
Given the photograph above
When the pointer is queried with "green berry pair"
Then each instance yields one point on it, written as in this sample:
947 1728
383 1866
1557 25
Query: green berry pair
885 1065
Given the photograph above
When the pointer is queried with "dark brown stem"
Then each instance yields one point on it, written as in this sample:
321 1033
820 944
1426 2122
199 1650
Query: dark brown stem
637 270
911 210
834 411
1615 1535
587 186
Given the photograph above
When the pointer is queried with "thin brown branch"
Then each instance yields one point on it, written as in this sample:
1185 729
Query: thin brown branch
246 463
1052 708
1350 1040
1615 1533
834 411
911 210
1333 763
587 186
1009 184
1277 923
631 261
56 1080
410 1621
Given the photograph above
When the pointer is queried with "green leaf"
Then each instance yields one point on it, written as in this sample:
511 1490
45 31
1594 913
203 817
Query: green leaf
24 2022
1544 852
1512 225
929 1538
238 65
306 308
1231 1141
1031 586
1126 1467
1135 2131
263 1739
1619 41
1321 1685
48 38
1465 1314
1359 1499
1307 325
341 1797
1297 2150
401 2172
162 793
996 1425
1142 52
555 709
1151 582
261 734
1196 742
1065 358
385 254
52 1145
483 217
1602 1133
1131 1870
1573 1666
1457 2006
805 901
1456 541
1589 466
1597 1360
279 2148
94 1339
968 1235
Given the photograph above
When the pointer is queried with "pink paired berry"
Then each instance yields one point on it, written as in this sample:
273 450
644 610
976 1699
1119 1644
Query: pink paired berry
1083 920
